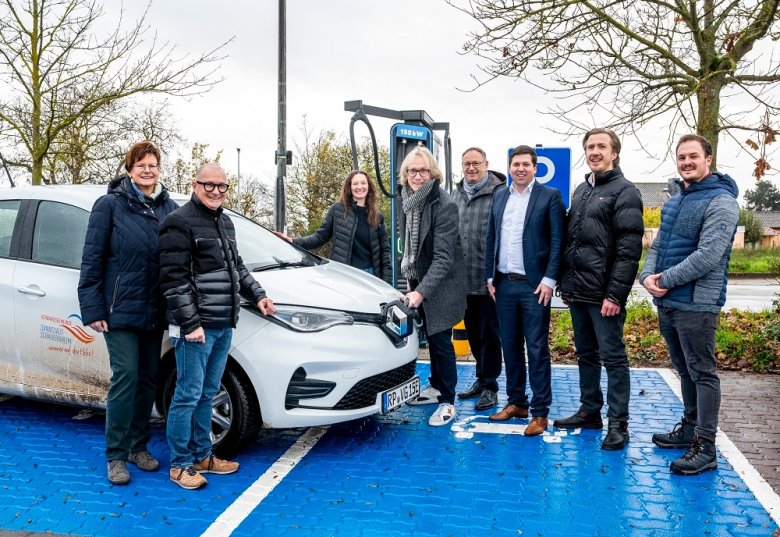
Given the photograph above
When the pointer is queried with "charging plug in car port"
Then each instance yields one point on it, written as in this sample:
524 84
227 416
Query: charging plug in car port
302 388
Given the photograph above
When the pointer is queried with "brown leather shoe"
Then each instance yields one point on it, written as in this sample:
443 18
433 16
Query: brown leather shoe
508 412
536 427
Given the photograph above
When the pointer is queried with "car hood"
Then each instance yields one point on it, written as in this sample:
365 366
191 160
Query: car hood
331 285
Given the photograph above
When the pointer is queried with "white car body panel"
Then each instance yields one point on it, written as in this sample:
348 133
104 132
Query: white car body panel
46 353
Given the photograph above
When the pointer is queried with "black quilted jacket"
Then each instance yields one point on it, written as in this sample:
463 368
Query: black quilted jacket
604 240
341 231
202 274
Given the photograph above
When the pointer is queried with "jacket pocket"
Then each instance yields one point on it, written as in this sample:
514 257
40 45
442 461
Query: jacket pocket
208 255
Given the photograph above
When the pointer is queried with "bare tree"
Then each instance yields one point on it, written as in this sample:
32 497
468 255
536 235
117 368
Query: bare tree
636 60
56 68
92 148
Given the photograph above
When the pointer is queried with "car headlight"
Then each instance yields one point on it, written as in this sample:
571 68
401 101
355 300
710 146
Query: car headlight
303 319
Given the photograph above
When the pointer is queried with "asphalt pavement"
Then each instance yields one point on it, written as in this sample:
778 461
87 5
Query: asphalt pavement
753 294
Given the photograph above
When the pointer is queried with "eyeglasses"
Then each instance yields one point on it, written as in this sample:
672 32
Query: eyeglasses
142 167
425 172
209 187
475 164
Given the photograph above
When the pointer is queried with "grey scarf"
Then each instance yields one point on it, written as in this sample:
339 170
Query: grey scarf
476 187
412 206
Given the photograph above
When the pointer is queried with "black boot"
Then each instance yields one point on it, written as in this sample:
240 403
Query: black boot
617 436
700 457
679 437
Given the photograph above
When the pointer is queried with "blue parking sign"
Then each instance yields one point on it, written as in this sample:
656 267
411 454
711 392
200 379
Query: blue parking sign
553 168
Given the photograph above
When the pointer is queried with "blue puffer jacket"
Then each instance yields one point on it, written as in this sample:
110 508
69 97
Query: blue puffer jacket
120 266
693 245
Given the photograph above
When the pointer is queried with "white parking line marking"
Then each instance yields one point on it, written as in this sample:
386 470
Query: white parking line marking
467 427
234 515
757 484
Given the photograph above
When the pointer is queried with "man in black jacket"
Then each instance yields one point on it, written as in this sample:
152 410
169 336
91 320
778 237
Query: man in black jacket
601 259
202 276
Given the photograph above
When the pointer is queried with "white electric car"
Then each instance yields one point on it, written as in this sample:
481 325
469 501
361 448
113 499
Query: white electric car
340 346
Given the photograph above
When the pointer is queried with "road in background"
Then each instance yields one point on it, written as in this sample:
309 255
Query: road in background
754 294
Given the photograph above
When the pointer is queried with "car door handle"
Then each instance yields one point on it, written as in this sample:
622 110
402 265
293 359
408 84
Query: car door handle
31 291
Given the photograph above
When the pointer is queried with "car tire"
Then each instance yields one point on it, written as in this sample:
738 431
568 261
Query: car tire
236 419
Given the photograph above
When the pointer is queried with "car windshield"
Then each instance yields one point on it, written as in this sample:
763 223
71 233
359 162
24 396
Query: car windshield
262 250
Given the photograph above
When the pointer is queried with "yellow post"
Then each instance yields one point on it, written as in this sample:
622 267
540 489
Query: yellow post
459 340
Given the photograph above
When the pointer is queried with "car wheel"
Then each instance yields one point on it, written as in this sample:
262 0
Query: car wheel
235 415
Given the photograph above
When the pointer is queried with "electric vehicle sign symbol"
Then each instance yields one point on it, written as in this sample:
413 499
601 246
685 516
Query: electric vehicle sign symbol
544 163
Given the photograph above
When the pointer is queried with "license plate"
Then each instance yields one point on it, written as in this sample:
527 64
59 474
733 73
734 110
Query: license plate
395 397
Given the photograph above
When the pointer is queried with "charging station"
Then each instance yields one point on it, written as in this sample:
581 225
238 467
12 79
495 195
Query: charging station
416 128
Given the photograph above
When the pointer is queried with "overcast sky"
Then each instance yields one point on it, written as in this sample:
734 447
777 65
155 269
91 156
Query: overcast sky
400 54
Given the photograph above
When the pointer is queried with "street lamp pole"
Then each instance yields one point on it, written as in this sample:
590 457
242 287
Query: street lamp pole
281 151
238 186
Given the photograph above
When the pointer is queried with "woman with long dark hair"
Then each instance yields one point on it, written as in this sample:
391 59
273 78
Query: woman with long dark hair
356 227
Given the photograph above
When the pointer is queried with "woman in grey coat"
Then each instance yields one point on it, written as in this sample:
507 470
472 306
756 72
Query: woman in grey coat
356 227
432 263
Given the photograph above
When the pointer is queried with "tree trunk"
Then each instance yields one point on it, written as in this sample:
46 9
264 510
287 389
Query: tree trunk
707 123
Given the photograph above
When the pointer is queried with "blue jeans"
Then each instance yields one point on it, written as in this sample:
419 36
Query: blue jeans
525 324
690 336
199 368
599 340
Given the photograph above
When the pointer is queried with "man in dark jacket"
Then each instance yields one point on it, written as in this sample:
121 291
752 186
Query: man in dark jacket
202 277
474 197
686 272
601 259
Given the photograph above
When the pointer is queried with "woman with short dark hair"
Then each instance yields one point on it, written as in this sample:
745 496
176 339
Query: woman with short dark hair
119 295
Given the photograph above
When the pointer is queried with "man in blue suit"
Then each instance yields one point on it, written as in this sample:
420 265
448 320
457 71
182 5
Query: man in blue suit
523 253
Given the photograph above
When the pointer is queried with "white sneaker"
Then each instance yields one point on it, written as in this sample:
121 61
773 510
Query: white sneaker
429 396
443 415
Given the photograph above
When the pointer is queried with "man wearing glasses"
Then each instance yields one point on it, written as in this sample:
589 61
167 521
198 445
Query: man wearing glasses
202 276
474 197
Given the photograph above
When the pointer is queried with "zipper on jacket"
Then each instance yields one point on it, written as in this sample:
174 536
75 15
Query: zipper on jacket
113 298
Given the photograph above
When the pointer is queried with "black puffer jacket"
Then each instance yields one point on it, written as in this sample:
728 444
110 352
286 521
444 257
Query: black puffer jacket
202 274
604 240
342 231
120 266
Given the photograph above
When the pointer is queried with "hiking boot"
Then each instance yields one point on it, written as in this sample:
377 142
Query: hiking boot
214 465
679 437
187 478
117 473
145 461
617 436
428 396
580 420
701 456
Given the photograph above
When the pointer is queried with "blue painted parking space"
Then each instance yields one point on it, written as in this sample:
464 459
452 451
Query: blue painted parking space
386 475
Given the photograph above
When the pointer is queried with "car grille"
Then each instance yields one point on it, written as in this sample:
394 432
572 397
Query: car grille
363 393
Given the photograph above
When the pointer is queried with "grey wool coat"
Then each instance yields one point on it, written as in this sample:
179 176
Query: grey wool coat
439 261
474 214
